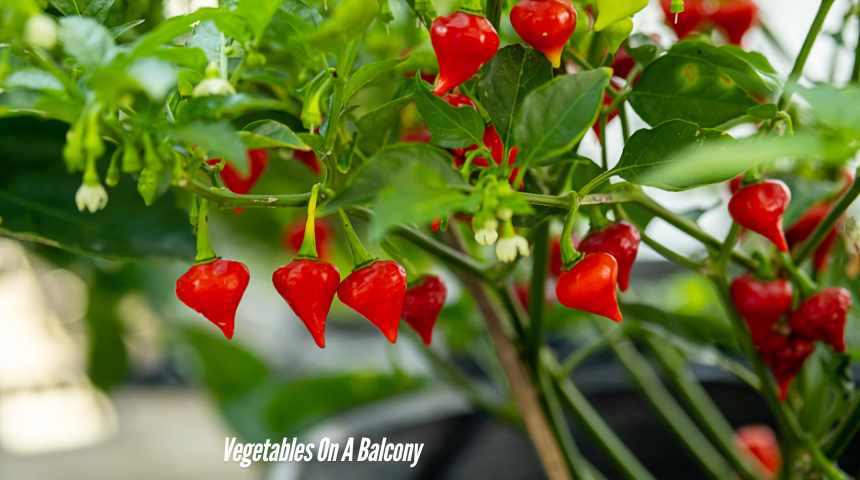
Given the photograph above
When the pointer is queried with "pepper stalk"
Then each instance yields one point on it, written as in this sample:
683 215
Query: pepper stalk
569 255
309 243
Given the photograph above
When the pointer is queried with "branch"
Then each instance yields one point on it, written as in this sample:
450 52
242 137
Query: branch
835 442
829 221
800 62
227 199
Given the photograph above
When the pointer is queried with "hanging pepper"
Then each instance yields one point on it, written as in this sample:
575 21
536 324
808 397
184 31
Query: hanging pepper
422 304
760 207
213 287
761 302
735 18
785 357
587 282
375 289
621 240
258 160
822 317
761 443
462 42
803 228
546 25
294 236
684 19
307 283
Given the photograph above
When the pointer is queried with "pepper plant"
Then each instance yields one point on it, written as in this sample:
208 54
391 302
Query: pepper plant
452 140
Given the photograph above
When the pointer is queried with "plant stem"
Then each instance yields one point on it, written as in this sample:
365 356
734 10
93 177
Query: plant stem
625 123
205 254
309 243
829 221
855 70
582 353
562 431
604 160
537 292
800 62
667 407
227 199
513 308
658 247
362 258
411 272
697 401
835 442
568 252
494 13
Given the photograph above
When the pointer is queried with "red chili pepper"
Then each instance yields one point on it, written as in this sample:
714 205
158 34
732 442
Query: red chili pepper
761 303
416 135
822 317
435 224
735 18
590 286
258 159
621 240
422 305
555 261
760 441
214 290
308 286
760 208
687 21
803 228
323 233
785 356
376 292
462 42
546 25
735 184
308 159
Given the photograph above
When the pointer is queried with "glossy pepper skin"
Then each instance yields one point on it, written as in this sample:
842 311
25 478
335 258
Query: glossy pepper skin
323 233
761 303
621 240
214 290
590 286
422 305
760 208
377 292
735 18
687 21
803 228
546 25
761 443
822 317
785 357
309 287
462 42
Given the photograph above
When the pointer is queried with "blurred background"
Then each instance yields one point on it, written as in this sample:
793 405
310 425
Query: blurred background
105 374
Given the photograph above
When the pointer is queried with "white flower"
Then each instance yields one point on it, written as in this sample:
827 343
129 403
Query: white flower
213 86
91 197
507 248
504 213
488 233
41 31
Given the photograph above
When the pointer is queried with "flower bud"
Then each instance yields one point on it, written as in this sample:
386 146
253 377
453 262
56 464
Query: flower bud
41 31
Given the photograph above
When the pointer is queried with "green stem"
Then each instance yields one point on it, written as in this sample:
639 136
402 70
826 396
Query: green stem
625 123
658 247
560 427
855 70
582 353
667 407
604 156
801 281
835 442
513 308
205 254
362 259
568 253
227 199
829 221
726 249
449 256
494 13
537 292
309 243
800 62
697 401
395 254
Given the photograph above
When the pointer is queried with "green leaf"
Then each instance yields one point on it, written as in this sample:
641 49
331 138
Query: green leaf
193 58
757 60
218 106
513 72
228 22
764 112
87 41
451 127
207 38
695 82
37 202
28 100
258 14
33 79
384 165
554 117
98 9
699 329
271 134
117 31
155 76
829 105
228 370
218 139
376 124
349 20
366 73
303 11
642 48
648 152
304 401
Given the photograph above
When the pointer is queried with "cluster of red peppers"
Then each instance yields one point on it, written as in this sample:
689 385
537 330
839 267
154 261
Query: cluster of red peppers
733 17
376 289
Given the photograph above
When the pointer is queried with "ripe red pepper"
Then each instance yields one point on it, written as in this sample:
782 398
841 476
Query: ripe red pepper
803 228
590 286
214 290
323 233
760 208
376 292
735 18
422 305
416 135
621 240
735 184
687 21
462 42
308 286
546 25
822 317
785 356
761 303
760 442
308 159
